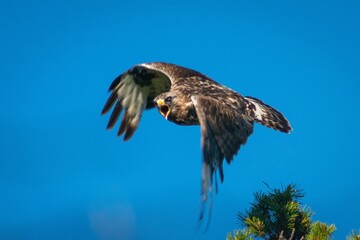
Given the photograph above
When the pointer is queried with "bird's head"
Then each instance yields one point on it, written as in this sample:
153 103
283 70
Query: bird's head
165 103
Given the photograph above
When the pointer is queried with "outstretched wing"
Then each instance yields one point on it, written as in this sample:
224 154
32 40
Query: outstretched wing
134 91
223 131
267 115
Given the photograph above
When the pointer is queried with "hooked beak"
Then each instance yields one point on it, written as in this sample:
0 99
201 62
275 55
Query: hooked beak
160 102
163 108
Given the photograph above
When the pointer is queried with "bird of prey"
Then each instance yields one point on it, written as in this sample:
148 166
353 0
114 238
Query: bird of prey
187 97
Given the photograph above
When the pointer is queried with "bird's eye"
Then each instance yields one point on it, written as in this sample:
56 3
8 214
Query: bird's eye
168 99
164 109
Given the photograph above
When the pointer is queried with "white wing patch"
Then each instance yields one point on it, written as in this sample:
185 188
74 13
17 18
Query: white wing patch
267 115
134 91
259 111
134 97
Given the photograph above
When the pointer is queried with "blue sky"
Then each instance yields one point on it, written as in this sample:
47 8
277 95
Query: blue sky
63 176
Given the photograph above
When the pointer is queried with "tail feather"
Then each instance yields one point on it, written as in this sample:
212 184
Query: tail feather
267 116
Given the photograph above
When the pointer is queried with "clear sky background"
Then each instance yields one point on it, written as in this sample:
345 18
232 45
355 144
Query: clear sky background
63 176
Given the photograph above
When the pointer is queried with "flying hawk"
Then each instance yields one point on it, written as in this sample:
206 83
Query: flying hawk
187 97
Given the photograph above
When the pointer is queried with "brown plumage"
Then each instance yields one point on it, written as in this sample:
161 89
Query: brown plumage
187 97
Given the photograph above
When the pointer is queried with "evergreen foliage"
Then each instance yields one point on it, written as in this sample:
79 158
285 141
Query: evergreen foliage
320 231
279 215
353 236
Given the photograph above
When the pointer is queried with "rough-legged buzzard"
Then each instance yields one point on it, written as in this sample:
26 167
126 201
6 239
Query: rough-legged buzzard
187 97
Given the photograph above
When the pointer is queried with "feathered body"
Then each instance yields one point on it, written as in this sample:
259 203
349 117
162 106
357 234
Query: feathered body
187 97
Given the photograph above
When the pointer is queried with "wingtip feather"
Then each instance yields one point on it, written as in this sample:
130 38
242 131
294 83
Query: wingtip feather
109 103
115 83
114 115
123 124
